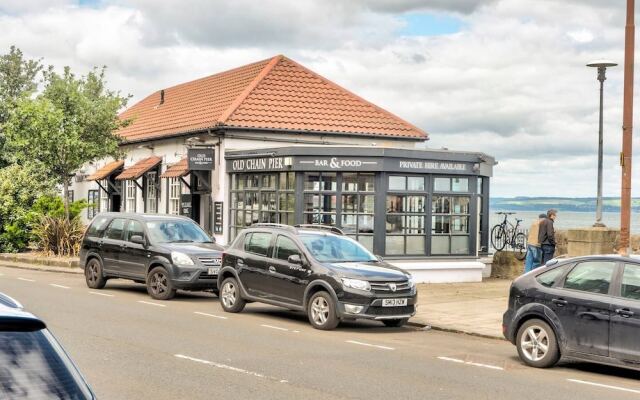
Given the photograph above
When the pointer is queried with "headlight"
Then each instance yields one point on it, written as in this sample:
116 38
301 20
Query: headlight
181 258
356 284
412 283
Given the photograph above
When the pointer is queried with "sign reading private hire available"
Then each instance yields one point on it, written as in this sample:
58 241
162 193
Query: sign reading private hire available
200 159
422 165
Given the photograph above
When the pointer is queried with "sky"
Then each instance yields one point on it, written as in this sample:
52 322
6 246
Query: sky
503 77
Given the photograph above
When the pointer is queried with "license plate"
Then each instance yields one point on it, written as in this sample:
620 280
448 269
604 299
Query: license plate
394 302
213 271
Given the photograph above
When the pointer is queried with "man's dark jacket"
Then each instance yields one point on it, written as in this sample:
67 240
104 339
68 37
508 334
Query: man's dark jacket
546 234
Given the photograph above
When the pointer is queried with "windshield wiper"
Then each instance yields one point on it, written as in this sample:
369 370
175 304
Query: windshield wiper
181 241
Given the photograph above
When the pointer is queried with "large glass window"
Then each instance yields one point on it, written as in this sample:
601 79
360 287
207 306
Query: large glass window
358 207
151 192
406 216
130 195
591 276
104 196
320 198
93 203
175 193
450 224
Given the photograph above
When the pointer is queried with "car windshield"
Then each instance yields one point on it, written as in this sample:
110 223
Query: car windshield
332 248
176 231
34 366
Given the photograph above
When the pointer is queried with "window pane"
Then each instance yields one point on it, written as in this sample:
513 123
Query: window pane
268 181
366 182
394 204
97 226
259 243
397 183
459 244
414 204
366 241
349 223
460 185
479 188
459 224
285 247
440 224
550 278
312 181
442 184
591 276
441 205
350 203
394 245
269 201
631 282
115 229
415 183
365 223
460 205
349 182
440 245
367 204
135 228
329 181
415 244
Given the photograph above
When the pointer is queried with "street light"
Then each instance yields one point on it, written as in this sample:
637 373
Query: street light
602 68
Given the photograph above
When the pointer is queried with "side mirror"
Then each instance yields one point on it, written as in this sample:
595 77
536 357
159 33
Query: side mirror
138 239
294 259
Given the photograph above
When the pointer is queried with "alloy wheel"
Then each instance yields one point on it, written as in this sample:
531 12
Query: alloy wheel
535 343
92 272
320 310
158 283
228 294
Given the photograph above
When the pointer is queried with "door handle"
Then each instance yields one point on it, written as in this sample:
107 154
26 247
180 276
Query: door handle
559 302
272 269
624 312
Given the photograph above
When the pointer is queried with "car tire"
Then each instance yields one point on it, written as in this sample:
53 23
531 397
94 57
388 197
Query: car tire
395 323
159 285
93 274
537 344
321 311
230 296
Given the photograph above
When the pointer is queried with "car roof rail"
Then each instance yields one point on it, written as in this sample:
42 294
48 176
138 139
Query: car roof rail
272 225
329 228
10 302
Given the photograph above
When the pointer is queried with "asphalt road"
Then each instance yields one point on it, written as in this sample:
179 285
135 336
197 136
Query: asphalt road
132 347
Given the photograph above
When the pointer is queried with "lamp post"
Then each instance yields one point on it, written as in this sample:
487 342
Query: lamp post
602 68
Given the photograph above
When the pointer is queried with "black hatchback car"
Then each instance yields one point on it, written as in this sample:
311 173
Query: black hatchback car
33 365
585 308
164 251
317 270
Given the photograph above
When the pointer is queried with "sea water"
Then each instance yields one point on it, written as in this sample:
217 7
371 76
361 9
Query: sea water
568 219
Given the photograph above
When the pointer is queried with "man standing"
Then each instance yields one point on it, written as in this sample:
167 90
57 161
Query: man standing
547 236
534 251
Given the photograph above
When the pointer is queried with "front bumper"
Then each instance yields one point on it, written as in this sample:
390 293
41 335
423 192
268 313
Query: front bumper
195 278
372 308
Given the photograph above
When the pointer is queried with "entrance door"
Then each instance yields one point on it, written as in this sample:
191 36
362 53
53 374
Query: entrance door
625 317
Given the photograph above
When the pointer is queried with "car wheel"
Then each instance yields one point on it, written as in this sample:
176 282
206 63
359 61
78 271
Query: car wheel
93 274
159 284
230 297
537 344
395 323
322 311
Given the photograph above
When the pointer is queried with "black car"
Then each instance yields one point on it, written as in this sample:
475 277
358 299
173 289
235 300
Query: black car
164 251
33 365
317 270
585 308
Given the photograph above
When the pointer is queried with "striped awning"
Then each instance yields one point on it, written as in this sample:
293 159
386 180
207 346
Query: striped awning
177 170
106 171
140 168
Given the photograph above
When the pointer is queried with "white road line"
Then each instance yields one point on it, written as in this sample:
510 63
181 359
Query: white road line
279 328
26 280
229 368
209 315
59 286
370 345
475 364
604 386
151 304
102 294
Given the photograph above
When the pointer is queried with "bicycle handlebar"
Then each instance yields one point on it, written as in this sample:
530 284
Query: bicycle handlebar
505 213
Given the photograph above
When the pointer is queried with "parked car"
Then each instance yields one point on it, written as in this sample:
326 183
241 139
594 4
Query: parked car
33 365
317 270
164 251
585 308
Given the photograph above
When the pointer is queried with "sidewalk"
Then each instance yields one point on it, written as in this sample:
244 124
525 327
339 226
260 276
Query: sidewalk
474 308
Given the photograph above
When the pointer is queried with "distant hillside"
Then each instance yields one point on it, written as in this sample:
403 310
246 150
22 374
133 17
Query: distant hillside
585 204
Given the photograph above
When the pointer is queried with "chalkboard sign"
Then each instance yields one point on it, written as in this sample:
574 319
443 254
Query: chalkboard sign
186 205
218 217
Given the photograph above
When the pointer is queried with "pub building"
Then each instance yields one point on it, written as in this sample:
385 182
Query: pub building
273 142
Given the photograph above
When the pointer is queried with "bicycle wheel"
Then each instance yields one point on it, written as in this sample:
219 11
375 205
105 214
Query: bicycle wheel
520 246
498 237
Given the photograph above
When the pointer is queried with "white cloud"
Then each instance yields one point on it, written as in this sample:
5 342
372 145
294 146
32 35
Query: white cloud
581 35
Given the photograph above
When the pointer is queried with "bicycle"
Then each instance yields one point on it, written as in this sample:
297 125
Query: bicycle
506 233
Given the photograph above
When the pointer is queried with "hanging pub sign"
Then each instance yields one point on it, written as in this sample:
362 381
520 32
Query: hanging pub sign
186 205
217 217
200 159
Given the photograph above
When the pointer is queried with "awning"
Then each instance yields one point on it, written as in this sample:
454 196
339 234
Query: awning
140 168
177 170
105 171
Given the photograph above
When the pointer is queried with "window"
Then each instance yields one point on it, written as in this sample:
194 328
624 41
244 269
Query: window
450 224
175 192
285 247
550 278
104 196
130 195
135 229
70 196
258 243
115 229
451 184
320 198
591 276
358 207
93 203
405 224
631 282
97 227
151 192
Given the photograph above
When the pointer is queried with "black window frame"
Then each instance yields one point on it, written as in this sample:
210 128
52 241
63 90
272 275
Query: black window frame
247 244
124 228
613 283
275 247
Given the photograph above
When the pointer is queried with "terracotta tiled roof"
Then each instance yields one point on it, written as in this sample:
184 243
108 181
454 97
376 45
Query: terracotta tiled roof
138 169
277 94
105 171
176 170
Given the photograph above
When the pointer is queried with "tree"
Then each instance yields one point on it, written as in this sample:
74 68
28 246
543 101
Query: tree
17 80
73 121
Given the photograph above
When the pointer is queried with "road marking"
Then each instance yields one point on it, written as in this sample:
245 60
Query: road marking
26 280
475 364
604 386
101 294
209 315
370 345
229 368
59 286
151 304
279 328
